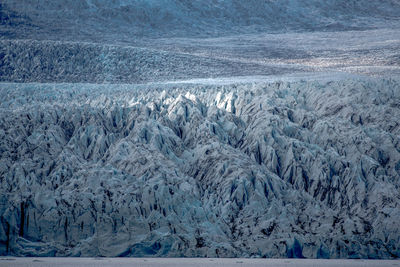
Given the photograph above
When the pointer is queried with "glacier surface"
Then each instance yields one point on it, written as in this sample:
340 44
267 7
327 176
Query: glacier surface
269 169
192 262
260 128
127 20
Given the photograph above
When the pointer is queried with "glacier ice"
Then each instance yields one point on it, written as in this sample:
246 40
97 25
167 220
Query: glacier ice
194 147
90 20
268 169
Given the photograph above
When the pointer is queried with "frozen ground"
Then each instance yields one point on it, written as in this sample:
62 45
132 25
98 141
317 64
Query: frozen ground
190 262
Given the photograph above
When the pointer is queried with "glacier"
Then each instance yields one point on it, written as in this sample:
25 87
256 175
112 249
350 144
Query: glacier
273 169
177 128
194 262
129 20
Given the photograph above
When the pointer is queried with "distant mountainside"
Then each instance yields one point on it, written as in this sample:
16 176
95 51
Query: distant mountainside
130 19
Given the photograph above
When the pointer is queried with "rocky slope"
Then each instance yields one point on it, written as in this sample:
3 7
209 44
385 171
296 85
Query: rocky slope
300 169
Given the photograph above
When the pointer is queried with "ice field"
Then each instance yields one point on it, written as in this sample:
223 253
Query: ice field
256 129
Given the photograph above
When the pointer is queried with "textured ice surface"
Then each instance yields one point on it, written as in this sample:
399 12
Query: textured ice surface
281 169
191 262
372 52
127 20
253 132
151 41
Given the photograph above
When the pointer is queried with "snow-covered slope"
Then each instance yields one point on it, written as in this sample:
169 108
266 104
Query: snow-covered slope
130 19
301 169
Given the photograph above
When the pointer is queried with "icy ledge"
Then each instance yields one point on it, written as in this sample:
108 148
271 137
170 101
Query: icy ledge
282 169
